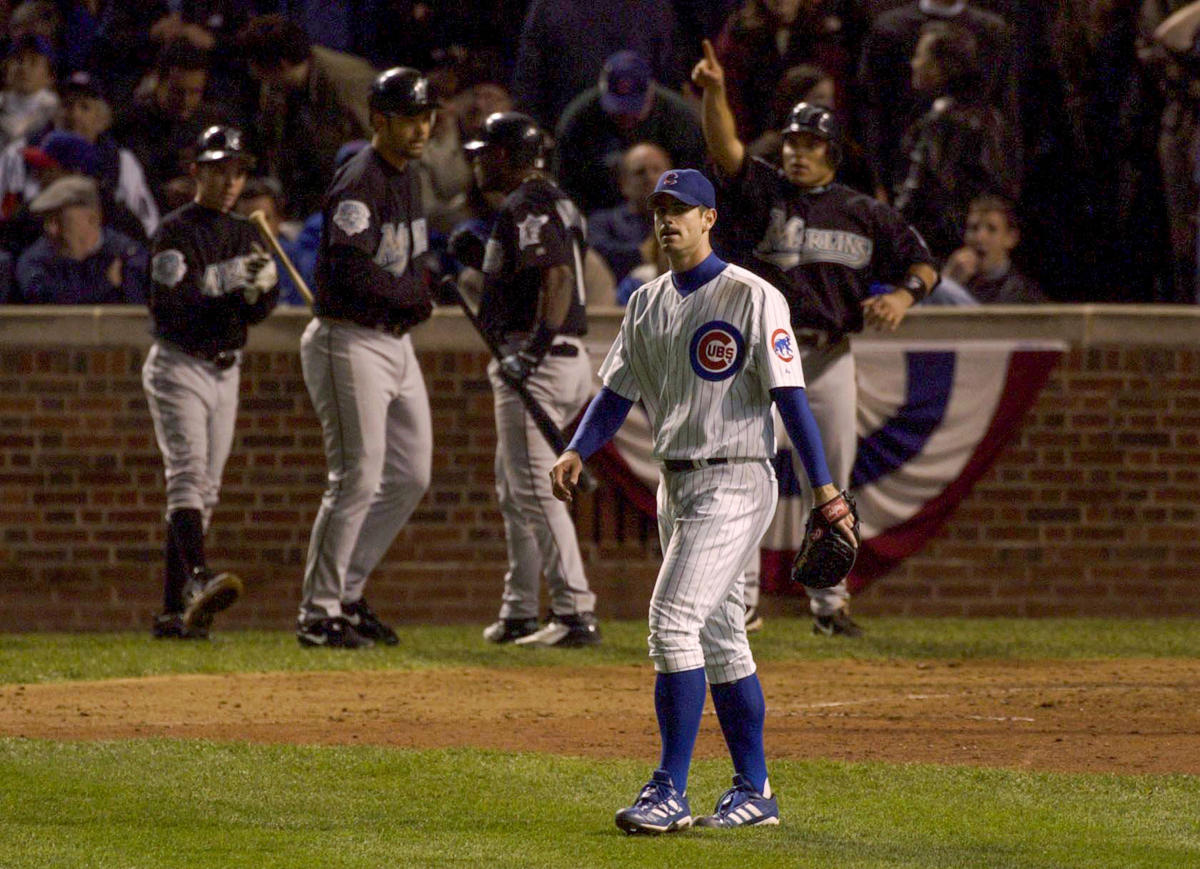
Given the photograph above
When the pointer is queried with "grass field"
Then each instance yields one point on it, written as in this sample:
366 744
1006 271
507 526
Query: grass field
152 803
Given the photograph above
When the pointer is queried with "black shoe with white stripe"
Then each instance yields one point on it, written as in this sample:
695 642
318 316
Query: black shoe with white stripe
659 808
363 619
331 633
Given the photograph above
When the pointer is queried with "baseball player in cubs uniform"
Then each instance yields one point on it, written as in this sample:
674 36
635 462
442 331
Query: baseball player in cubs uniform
361 369
824 245
533 303
708 349
210 280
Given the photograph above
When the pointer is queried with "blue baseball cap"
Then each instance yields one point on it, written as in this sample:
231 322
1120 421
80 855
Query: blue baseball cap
66 150
686 185
624 84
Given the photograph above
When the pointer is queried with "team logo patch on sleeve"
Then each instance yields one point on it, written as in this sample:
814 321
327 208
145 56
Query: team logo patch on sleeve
529 230
781 343
351 216
717 350
168 267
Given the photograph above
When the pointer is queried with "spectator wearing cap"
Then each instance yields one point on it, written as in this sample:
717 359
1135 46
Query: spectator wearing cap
161 125
26 170
564 44
59 153
625 107
87 113
78 261
311 101
28 102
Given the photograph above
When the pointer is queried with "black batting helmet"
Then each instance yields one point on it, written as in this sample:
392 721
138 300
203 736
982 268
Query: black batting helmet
807 118
516 133
221 143
401 90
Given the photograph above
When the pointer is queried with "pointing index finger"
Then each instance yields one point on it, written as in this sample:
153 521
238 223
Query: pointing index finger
710 53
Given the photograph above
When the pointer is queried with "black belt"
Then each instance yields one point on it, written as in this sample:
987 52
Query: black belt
396 330
568 350
691 464
223 360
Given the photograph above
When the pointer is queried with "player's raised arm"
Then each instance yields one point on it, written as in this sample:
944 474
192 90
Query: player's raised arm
716 118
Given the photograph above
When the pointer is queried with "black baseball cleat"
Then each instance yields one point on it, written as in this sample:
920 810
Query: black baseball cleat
363 619
170 626
331 633
207 594
837 625
507 630
564 632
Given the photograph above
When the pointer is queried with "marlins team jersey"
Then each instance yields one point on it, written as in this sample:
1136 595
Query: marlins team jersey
703 364
823 248
538 227
198 260
374 228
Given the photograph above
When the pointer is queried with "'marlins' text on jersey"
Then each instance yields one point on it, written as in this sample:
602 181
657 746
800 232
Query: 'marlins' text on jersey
788 243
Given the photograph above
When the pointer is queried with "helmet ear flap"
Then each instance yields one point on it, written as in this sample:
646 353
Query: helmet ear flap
833 153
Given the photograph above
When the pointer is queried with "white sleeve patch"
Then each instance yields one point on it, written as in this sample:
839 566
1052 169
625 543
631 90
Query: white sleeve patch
351 216
168 267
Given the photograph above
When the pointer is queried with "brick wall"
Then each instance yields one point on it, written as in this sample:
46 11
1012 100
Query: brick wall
1091 510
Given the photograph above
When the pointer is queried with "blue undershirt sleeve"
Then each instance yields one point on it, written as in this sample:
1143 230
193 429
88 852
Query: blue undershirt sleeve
601 421
802 429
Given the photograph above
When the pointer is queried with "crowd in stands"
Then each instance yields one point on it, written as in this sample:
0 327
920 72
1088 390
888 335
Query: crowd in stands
1045 149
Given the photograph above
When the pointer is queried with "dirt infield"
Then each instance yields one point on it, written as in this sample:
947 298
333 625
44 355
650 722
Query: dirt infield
1123 716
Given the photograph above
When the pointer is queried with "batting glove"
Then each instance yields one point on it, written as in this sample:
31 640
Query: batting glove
515 368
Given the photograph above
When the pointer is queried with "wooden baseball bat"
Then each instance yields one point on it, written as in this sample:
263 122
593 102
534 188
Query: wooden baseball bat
554 437
260 221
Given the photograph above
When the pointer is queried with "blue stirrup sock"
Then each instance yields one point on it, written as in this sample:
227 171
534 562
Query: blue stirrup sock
741 709
679 703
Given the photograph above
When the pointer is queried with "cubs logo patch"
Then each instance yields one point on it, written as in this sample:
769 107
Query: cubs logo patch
781 343
670 179
717 350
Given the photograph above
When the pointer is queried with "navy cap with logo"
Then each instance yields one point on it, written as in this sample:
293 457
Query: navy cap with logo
686 185
624 84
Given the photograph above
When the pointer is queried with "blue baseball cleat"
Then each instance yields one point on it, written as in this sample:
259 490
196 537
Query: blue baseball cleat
659 808
742 806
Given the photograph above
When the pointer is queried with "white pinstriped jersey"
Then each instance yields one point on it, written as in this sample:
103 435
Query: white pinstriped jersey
703 365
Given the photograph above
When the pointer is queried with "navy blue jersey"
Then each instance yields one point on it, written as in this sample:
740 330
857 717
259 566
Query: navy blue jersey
198 272
538 227
823 248
372 233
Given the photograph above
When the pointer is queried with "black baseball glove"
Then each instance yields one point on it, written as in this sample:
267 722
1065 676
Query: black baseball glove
825 557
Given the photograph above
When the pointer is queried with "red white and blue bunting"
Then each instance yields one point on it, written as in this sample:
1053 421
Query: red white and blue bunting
932 418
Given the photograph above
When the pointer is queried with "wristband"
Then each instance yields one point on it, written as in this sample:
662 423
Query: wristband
916 286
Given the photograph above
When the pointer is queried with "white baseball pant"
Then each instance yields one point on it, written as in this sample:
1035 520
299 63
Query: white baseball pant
369 394
710 521
193 404
537 526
